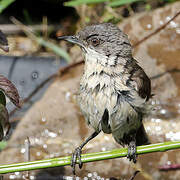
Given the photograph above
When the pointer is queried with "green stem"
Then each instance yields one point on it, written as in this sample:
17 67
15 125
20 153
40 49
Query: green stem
63 161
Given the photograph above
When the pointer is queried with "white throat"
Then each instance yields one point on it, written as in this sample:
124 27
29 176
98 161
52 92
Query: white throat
95 57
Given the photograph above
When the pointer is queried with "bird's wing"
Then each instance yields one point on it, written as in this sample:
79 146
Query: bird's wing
141 81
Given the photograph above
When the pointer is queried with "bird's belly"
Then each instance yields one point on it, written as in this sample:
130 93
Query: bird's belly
93 104
123 118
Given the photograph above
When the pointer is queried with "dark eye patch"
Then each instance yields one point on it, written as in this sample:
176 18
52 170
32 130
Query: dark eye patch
94 40
91 36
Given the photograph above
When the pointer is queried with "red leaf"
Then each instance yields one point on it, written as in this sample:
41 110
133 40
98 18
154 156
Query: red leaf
10 90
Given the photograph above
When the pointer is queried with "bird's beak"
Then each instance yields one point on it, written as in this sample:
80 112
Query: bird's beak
72 39
4 47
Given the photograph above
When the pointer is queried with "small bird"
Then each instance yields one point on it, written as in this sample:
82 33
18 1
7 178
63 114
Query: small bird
114 89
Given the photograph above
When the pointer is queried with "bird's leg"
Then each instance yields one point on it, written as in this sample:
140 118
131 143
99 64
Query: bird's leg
132 151
77 152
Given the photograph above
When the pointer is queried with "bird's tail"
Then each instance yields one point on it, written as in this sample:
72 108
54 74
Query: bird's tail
141 136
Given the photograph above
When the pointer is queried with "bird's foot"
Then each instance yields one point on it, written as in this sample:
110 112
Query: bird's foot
76 155
132 151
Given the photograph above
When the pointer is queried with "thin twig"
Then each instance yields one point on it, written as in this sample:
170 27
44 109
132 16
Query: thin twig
27 155
157 30
174 70
27 149
64 69
169 167
134 175
13 29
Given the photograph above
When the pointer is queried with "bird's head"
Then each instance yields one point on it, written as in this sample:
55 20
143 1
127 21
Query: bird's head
104 43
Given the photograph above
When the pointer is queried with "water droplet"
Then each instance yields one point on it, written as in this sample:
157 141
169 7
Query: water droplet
96 111
43 119
95 174
173 136
67 96
17 173
173 24
34 75
153 119
158 120
38 153
163 111
36 140
158 128
52 134
89 175
106 138
161 22
149 26
168 18
45 146
23 150
178 30
51 155
12 176
103 149
174 124
176 136
148 128
46 131
32 177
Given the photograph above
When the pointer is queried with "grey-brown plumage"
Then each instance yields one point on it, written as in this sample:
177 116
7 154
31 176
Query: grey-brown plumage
114 89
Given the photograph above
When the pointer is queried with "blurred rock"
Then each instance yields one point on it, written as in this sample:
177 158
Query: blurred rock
20 46
55 126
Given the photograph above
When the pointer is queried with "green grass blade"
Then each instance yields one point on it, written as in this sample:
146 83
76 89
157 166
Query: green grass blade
80 2
59 51
4 4
63 161
122 2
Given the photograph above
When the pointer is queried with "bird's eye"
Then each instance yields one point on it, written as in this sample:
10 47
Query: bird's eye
95 41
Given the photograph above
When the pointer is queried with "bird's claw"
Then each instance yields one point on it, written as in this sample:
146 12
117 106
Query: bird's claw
132 152
76 155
